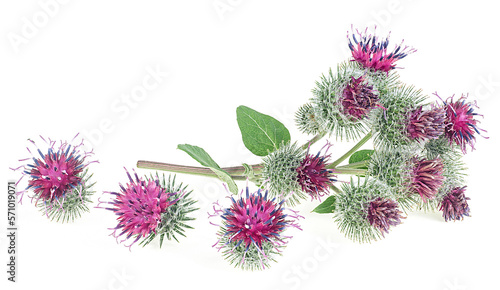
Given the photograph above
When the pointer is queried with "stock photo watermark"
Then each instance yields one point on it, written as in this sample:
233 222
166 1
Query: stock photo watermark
305 269
32 25
487 87
212 190
224 7
12 263
120 280
453 284
126 103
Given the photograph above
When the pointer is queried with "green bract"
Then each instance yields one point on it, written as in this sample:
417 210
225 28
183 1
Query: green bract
306 121
352 205
173 220
389 124
252 258
454 170
75 202
280 173
327 96
393 167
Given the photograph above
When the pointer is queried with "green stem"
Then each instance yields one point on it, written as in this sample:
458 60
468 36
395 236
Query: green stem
359 164
336 189
240 170
352 150
193 170
351 171
313 140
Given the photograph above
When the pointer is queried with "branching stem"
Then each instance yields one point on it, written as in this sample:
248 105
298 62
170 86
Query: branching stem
351 151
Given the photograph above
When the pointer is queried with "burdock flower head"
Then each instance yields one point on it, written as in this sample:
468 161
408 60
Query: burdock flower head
359 98
453 170
58 178
454 204
295 174
343 100
372 53
251 233
426 124
366 211
402 121
384 213
312 174
461 125
426 177
414 179
149 207
306 120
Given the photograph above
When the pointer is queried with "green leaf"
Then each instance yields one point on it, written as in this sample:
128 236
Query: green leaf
225 177
261 134
361 155
200 155
327 206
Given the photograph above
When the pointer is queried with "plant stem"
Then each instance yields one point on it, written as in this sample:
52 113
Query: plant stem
351 171
354 165
352 150
239 170
336 189
193 170
313 140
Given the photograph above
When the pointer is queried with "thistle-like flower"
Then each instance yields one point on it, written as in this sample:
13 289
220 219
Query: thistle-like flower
427 177
454 204
312 174
393 167
372 53
453 170
440 147
461 125
291 172
384 213
306 121
59 178
358 98
414 179
147 207
365 211
426 124
342 100
279 171
392 124
251 233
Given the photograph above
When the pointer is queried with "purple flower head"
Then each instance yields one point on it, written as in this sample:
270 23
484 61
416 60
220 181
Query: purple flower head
426 177
454 204
313 176
252 228
426 124
358 98
139 206
384 213
461 125
54 174
372 53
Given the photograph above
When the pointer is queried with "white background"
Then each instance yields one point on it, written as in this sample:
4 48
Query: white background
72 71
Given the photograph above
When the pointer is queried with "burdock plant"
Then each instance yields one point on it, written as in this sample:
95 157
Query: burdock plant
414 163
